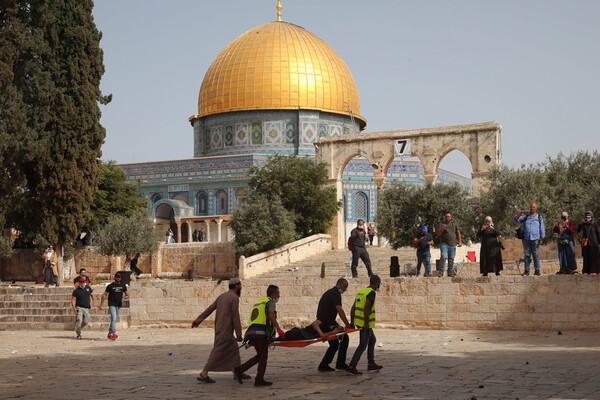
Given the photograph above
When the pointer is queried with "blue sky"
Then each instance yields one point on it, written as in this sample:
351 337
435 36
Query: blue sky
533 66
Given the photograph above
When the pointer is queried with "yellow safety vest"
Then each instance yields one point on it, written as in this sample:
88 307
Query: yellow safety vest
259 326
359 308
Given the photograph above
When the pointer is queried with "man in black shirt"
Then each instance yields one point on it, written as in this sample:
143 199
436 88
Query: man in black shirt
82 274
358 238
80 302
115 292
329 307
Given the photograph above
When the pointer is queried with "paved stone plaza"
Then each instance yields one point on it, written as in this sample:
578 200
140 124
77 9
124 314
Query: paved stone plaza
418 364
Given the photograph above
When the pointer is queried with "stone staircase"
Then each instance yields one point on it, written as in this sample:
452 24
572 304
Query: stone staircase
37 307
337 263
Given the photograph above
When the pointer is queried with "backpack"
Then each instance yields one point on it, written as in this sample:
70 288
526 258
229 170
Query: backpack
520 234
350 243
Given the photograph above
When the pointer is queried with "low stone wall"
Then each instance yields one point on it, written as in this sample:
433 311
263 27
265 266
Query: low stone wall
505 302
25 265
285 255
174 260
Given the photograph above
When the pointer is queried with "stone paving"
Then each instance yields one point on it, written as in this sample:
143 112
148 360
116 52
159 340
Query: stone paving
418 364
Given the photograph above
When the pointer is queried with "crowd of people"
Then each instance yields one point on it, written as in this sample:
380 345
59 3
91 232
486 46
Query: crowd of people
531 231
263 328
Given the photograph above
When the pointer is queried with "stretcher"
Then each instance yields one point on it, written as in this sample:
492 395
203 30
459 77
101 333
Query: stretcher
306 342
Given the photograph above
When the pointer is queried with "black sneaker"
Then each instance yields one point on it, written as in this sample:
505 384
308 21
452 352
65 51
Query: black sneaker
78 337
263 383
525 274
325 368
342 366
537 273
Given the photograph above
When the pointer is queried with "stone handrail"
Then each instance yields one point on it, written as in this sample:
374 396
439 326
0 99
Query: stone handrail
292 252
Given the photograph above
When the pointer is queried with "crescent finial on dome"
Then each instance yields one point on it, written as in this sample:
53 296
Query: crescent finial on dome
279 10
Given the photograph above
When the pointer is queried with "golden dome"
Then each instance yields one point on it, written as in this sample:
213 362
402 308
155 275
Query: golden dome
279 66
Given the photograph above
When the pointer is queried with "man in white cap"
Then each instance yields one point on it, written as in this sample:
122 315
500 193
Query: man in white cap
225 355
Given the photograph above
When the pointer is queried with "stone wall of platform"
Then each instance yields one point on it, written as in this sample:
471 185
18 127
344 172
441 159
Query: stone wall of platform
505 302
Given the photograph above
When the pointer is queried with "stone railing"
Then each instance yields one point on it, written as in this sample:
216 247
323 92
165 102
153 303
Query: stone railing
284 255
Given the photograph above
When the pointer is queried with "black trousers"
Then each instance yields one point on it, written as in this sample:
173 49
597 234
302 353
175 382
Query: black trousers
335 345
360 252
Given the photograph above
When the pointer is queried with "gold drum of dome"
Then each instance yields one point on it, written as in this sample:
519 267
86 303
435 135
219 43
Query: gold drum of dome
279 66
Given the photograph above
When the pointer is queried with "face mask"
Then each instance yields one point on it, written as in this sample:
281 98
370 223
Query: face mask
341 290
588 217
276 300
564 218
377 288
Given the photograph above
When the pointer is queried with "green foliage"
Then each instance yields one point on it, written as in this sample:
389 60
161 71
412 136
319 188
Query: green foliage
127 236
262 224
564 183
298 182
50 71
6 247
114 196
404 208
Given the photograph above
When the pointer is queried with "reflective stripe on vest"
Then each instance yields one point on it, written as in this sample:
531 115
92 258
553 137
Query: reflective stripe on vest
359 308
257 324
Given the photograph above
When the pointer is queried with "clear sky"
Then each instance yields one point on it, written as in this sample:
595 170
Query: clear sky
533 66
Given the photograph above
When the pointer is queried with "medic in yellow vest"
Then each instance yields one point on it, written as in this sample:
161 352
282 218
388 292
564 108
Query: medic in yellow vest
363 316
263 323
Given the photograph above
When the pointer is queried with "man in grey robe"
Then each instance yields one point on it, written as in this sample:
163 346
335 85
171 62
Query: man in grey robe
225 355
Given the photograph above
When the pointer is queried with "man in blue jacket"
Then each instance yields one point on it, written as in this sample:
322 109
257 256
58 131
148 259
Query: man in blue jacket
533 236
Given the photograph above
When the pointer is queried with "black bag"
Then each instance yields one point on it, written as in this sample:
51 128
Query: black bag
520 234
394 267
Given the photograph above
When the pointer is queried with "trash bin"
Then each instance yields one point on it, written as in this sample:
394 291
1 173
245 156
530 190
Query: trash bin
394 267
437 265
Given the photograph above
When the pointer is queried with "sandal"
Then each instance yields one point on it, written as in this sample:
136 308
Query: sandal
205 379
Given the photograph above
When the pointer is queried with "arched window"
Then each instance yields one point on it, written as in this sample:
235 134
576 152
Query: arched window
222 204
155 198
361 206
241 197
201 203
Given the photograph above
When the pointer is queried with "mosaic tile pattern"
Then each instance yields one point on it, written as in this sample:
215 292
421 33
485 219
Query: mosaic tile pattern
322 131
242 134
228 136
309 132
336 130
216 137
207 140
273 132
256 133
290 132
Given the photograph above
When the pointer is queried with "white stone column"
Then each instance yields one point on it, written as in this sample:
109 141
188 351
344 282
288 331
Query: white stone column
189 225
219 230
207 233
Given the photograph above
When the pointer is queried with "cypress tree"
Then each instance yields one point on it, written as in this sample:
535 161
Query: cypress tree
63 115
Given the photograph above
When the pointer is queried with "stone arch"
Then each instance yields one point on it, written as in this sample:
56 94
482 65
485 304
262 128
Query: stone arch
479 142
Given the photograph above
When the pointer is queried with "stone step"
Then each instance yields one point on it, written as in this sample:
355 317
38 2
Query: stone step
47 318
33 303
66 326
55 311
